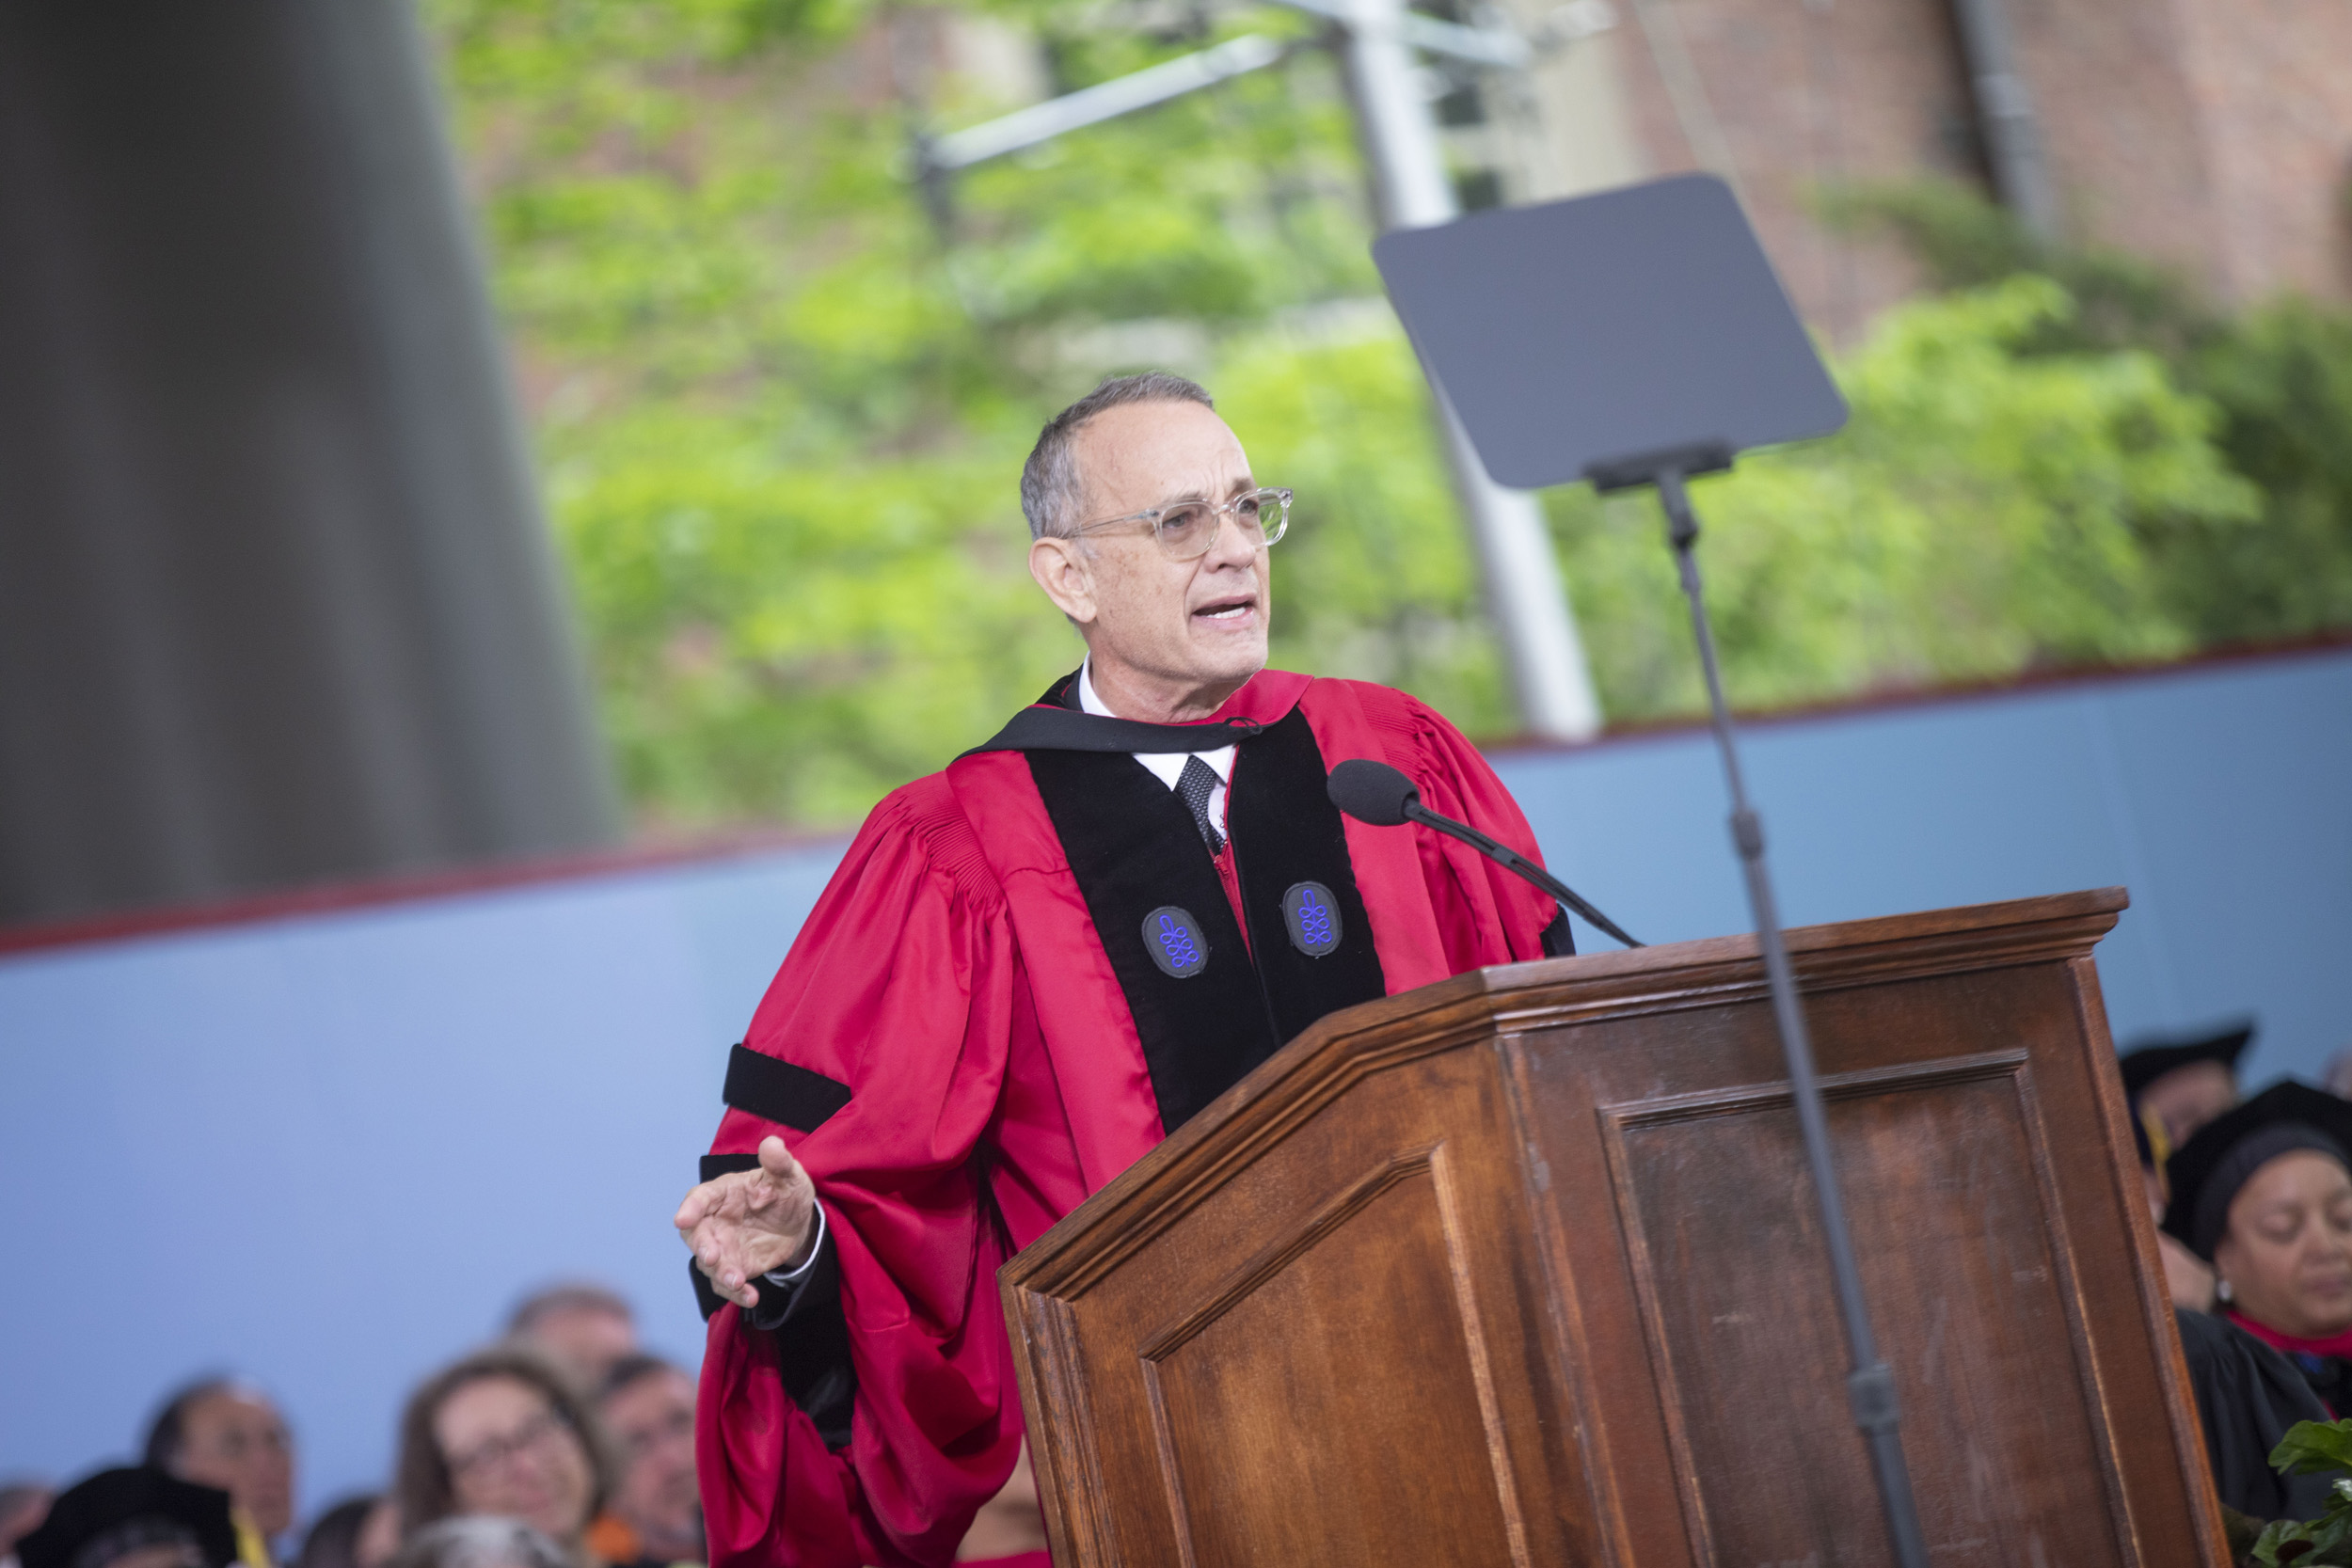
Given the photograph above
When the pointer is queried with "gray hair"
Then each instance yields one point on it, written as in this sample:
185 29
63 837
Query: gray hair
1052 491
478 1541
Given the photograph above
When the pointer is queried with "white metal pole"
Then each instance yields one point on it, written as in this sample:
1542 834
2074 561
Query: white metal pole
1540 647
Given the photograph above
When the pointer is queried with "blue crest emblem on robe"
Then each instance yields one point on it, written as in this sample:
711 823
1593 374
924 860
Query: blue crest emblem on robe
1314 918
1175 942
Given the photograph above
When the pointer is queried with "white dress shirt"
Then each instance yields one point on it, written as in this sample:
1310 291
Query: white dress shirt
1168 766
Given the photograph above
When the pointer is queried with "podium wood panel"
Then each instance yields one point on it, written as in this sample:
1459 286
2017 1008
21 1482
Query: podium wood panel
1525 1268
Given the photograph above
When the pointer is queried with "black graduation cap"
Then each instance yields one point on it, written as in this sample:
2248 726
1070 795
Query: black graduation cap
140 1506
2151 1060
2208 1171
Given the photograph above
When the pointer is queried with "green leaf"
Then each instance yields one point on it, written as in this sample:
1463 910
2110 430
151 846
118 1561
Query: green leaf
2284 1541
2311 1447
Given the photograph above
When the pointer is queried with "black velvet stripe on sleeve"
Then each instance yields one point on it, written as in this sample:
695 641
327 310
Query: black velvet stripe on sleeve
812 1338
1286 832
1559 937
806 1321
714 1167
1134 849
778 1091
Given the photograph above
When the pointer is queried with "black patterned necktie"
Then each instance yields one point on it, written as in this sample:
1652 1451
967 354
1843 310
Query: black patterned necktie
1198 782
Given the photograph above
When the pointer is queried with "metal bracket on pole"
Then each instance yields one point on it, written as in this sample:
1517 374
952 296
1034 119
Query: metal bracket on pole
1486 46
1121 95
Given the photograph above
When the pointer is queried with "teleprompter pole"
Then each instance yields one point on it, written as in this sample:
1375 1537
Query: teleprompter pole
1870 1385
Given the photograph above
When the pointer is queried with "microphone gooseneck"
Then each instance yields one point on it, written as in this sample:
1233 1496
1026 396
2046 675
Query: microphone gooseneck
1376 793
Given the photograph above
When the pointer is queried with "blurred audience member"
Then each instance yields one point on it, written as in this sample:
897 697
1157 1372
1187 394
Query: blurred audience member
2186 1276
2248 1396
586 1327
2337 1080
647 1406
24 1504
482 1543
358 1533
379 1538
2185 1083
135 1518
1010 1529
502 1432
218 1431
2263 1192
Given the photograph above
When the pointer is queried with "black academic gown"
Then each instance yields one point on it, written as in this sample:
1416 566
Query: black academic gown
2247 1395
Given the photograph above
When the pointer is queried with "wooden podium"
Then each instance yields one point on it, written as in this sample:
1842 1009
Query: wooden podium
1524 1268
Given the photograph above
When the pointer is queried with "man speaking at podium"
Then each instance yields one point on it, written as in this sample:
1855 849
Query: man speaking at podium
1031 968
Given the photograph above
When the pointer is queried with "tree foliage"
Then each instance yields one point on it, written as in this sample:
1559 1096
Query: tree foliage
1986 509
781 412
2279 374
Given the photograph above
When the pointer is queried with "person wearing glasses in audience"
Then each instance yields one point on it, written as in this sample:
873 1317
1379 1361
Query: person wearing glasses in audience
1032 967
504 1433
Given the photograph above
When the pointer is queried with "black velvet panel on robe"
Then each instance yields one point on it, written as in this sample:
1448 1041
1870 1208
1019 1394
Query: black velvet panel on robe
1286 832
1135 850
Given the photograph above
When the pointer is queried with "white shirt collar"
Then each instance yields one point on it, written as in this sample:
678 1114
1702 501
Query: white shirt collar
1169 765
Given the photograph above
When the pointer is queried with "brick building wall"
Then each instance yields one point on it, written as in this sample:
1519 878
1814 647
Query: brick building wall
2212 135
2273 82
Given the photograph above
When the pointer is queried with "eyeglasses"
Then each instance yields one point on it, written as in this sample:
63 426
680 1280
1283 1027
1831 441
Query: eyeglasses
493 1451
669 1427
1187 528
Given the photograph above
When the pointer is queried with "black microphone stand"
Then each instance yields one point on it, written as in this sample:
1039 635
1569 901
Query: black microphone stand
1870 1384
1511 860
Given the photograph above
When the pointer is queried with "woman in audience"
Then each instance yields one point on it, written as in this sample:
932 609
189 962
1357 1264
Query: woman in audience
2263 1193
502 1433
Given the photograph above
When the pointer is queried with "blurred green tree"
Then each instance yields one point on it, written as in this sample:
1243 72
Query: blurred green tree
782 415
782 420
2280 375
1986 509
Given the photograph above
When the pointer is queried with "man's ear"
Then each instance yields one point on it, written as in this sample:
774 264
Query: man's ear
1064 568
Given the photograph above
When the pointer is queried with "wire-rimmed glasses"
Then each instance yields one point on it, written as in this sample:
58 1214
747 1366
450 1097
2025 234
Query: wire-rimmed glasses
1185 530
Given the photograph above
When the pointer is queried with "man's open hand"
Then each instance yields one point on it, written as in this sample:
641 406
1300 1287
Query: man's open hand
747 1223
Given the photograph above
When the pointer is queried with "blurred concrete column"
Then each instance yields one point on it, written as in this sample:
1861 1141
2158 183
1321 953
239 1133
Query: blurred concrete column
1582 128
1541 650
276 603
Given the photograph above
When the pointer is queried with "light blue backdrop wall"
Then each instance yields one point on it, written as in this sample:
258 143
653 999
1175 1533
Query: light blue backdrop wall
332 1151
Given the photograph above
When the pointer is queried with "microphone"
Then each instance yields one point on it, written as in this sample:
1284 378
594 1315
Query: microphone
1375 793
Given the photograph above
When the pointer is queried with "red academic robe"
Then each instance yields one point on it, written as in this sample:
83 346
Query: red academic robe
952 981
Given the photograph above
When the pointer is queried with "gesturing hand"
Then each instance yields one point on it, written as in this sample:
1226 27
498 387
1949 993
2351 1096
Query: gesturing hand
747 1223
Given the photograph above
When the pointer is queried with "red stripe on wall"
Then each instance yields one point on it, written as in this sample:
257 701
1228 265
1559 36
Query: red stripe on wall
327 898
